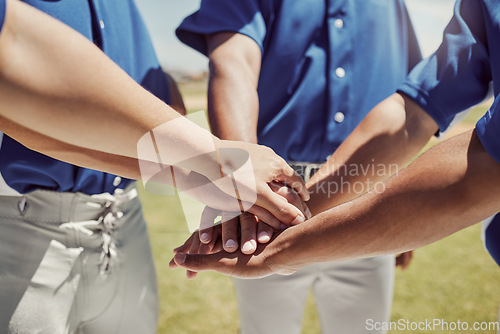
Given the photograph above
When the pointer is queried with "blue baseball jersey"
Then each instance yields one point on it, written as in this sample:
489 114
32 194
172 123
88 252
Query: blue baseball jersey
488 130
458 75
325 64
117 28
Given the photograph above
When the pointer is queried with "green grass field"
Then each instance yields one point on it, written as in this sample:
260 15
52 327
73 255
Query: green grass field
453 279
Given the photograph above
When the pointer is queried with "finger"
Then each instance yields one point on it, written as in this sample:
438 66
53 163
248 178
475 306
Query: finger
187 244
172 264
267 216
264 232
195 244
202 249
292 179
199 263
206 235
306 211
291 196
183 248
408 258
218 246
230 234
235 264
288 193
191 274
280 208
194 249
248 224
216 239
403 260
208 217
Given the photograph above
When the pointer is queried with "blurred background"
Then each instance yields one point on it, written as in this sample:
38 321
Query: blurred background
454 279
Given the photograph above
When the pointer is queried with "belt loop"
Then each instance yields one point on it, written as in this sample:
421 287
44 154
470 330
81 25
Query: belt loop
22 205
305 169
307 173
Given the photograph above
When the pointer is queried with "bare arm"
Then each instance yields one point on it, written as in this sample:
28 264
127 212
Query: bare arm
450 187
116 164
55 82
385 141
176 101
233 103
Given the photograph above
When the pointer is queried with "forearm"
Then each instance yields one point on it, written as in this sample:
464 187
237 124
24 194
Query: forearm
56 82
385 141
233 103
176 101
119 165
451 186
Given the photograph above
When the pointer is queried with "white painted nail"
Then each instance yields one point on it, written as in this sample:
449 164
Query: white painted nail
248 246
308 213
263 237
204 237
231 244
298 220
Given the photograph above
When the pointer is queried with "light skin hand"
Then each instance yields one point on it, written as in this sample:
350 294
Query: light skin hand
267 167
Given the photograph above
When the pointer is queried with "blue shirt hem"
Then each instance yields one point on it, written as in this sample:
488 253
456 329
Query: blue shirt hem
421 97
195 39
488 133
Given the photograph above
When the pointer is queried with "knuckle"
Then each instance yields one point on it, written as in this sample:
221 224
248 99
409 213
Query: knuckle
197 261
284 210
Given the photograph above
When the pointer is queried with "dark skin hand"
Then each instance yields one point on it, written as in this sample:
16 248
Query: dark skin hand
418 207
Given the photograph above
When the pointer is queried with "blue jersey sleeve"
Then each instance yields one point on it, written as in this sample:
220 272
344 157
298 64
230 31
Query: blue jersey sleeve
2 13
214 16
458 74
488 130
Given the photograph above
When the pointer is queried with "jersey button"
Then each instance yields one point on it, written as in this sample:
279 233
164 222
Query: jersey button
340 72
117 181
338 23
339 117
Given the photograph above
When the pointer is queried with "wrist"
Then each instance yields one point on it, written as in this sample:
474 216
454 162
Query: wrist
281 255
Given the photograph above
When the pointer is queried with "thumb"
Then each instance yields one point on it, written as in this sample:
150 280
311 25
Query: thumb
200 262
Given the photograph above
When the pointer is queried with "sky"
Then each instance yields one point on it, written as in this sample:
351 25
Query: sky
163 16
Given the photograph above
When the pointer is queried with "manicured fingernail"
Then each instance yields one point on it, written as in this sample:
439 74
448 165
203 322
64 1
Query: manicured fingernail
231 244
204 237
180 258
308 213
298 220
263 237
283 227
248 246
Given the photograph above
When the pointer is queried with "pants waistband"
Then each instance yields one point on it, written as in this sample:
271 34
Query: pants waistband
306 169
51 207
